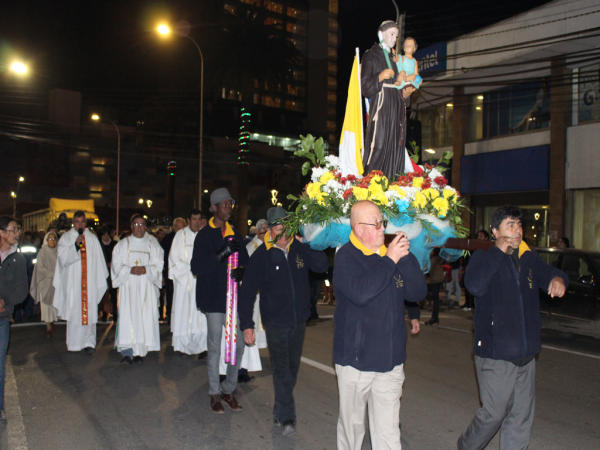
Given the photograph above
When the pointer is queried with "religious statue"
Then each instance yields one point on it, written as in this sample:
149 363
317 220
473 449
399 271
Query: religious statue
386 129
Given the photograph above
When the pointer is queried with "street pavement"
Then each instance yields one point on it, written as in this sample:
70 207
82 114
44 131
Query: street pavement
58 399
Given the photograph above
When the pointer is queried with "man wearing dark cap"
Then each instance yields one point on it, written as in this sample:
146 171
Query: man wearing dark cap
279 270
212 247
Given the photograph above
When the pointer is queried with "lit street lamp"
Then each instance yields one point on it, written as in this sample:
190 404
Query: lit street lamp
97 118
14 196
165 30
18 67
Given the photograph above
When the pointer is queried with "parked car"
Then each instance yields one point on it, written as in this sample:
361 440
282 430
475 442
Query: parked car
579 310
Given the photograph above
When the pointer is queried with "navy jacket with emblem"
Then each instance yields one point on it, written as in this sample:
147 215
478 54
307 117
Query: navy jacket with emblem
370 291
507 318
211 275
283 284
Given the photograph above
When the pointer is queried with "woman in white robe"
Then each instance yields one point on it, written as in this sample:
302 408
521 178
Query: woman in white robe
41 288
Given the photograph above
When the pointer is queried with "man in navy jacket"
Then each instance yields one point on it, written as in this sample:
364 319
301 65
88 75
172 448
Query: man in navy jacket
505 281
212 247
371 284
280 272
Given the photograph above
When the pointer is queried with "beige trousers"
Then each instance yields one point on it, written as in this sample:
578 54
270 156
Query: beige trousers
381 392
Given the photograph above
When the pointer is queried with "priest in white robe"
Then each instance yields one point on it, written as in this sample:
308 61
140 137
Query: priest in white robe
188 323
136 271
79 284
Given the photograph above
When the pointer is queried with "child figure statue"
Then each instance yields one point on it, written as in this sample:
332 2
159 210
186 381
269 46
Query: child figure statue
408 66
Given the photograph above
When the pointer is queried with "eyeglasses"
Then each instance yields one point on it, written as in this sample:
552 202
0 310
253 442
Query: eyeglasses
51 239
14 230
139 225
377 224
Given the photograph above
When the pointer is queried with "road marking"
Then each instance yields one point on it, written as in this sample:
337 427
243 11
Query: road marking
558 349
318 365
16 429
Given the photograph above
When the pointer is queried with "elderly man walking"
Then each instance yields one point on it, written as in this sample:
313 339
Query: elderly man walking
79 283
13 290
506 281
137 264
212 247
279 270
371 285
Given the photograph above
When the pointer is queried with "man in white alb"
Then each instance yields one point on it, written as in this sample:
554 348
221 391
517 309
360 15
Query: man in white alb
188 324
136 270
79 283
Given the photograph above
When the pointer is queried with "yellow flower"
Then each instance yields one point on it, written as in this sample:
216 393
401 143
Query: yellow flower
401 192
360 193
380 198
378 180
420 200
448 193
431 193
441 205
314 190
326 177
418 181
375 189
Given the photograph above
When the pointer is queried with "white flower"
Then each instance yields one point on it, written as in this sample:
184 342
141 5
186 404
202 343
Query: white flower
434 174
392 195
410 192
333 161
333 186
345 208
317 173
304 207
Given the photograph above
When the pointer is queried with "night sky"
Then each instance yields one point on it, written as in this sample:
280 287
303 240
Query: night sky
110 51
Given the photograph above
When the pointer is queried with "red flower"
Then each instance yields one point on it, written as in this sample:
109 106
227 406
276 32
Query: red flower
343 180
347 194
428 166
351 178
441 181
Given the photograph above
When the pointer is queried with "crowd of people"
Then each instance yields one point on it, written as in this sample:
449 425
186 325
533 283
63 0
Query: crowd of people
199 263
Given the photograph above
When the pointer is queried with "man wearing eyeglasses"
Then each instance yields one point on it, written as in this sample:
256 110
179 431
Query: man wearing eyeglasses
80 283
371 285
136 270
13 289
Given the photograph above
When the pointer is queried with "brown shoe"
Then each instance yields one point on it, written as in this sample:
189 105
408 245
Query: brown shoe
215 404
231 401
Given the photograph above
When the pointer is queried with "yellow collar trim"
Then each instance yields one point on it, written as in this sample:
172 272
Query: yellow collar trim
359 245
523 247
228 229
270 244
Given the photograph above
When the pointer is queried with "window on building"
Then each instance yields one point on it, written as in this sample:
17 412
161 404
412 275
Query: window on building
333 39
331 126
300 44
299 75
272 21
589 93
513 109
331 98
230 9
332 53
333 6
331 83
333 24
331 112
332 67
300 91
252 2
274 6
296 13
267 100
296 29
586 217
436 126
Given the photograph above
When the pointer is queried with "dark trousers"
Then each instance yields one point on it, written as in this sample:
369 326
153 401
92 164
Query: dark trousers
285 348
169 298
469 299
315 291
4 336
434 295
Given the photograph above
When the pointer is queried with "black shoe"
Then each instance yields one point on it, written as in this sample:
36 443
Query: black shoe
126 359
432 322
137 359
202 356
89 350
245 378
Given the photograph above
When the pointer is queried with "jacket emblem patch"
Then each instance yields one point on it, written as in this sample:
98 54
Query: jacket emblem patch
299 262
399 281
530 279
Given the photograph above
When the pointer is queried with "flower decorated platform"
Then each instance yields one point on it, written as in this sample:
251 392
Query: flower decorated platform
419 203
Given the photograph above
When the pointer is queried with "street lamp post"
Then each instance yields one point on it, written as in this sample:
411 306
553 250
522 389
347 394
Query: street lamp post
97 117
14 196
164 29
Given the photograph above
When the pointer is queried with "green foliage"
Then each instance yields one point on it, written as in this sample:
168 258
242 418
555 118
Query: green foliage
312 149
414 151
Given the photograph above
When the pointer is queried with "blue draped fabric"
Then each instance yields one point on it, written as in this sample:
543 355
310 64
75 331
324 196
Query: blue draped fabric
336 234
